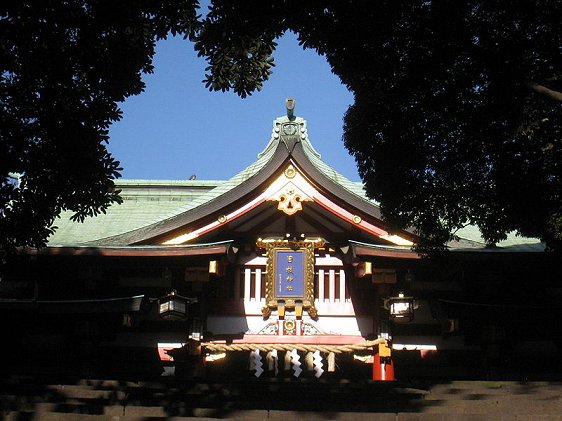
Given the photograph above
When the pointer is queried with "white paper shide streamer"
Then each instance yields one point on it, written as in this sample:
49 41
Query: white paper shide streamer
295 360
256 363
318 364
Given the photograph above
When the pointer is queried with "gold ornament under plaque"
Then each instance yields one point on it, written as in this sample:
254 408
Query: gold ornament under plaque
290 275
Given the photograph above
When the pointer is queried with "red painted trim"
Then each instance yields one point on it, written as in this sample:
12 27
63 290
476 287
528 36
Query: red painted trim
383 371
348 216
317 197
293 339
163 354
216 224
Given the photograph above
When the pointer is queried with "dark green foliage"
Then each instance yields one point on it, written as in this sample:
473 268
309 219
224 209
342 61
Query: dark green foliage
457 107
65 66
456 117
238 42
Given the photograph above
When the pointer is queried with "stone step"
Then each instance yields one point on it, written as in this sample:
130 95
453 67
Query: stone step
292 415
131 400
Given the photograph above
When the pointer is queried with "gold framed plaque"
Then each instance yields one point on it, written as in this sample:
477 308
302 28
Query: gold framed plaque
290 275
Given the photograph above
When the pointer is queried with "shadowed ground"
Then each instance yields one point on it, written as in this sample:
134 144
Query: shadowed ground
32 398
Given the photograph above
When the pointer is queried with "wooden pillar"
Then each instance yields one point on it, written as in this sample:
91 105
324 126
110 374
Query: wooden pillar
321 292
257 291
383 367
247 283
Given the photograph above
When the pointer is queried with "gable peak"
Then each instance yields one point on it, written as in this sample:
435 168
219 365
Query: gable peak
289 130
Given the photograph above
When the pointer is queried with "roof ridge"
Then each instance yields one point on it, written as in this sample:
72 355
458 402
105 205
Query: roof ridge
286 135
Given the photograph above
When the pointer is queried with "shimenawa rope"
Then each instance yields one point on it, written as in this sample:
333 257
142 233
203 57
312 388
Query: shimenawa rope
337 349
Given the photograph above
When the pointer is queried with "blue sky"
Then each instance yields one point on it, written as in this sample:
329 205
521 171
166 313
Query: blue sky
177 128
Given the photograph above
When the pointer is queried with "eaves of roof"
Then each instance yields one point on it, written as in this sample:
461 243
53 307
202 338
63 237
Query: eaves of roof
378 250
217 248
232 191
245 184
107 305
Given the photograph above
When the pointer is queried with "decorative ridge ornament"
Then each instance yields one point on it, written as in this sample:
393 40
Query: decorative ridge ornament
290 105
290 130
290 172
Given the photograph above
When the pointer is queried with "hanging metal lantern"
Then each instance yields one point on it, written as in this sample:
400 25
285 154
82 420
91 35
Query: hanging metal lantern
400 308
174 306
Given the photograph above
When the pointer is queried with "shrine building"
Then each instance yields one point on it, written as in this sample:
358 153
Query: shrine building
286 269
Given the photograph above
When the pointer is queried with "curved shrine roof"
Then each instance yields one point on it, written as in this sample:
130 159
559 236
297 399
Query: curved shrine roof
151 208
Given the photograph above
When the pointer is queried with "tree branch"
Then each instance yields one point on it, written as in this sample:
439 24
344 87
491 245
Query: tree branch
543 90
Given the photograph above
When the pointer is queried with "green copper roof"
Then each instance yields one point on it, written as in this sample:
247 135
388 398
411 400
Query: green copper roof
147 202
513 242
144 202
225 186
316 159
262 159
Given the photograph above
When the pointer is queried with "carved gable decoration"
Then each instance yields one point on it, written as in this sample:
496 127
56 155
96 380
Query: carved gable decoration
290 190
